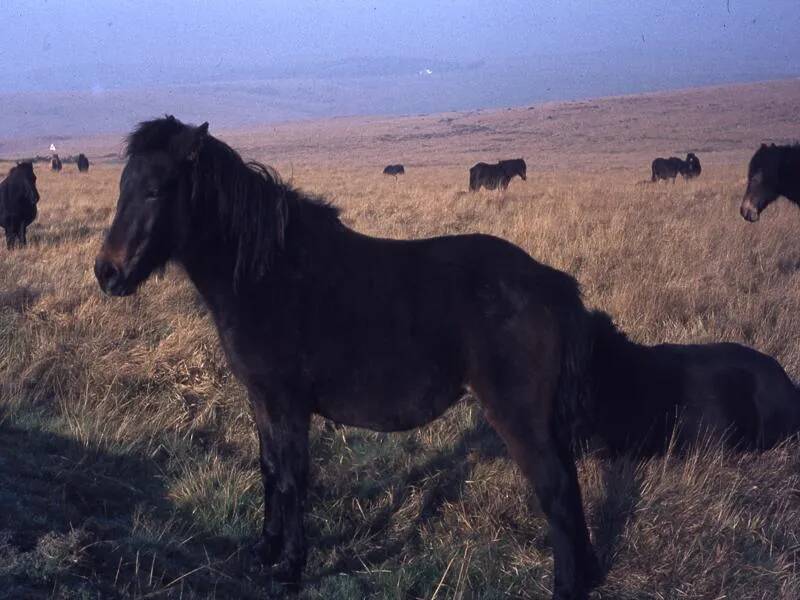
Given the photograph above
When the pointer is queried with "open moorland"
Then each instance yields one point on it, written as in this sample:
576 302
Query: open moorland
128 461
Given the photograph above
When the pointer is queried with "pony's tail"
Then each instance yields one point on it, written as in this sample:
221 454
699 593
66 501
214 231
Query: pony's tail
574 392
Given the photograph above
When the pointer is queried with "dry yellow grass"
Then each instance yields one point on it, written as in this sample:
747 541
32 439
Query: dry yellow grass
127 456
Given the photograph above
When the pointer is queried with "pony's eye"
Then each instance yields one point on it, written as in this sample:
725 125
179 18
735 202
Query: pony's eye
152 193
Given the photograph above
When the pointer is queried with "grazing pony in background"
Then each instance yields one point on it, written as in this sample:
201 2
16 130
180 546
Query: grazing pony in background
394 170
316 318
691 167
773 171
496 176
83 163
55 163
18 200
646 397
670 168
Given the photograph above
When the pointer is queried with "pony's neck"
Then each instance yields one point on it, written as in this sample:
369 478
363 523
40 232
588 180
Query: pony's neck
210 263
235 224
212 254
207 253
789 180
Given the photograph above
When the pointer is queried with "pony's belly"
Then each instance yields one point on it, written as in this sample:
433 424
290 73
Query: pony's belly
382 408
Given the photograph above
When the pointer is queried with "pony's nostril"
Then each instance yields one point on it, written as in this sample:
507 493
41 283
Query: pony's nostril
107 274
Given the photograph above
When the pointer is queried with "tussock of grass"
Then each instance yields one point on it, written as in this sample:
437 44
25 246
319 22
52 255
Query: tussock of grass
127 454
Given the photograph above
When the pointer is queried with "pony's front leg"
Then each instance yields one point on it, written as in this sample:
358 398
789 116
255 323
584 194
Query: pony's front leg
283 436
270 547
10 236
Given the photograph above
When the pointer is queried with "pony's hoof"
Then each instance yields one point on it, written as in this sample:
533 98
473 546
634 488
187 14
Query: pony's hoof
571 592
572 595
287 574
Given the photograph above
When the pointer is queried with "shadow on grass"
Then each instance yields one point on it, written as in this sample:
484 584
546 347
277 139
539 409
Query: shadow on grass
20 299
77 521
450 469
56 235
622 485
57 497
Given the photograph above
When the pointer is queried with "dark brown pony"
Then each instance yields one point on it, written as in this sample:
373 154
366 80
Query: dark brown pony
773 171
83 163
649 397
497 175
670 168
394 170
385 334
18 203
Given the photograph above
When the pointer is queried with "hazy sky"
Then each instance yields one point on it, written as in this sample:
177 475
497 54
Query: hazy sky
79 67
50 36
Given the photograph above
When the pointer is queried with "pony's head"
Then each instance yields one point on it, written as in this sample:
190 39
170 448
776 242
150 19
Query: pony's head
154 186
515 166
762 182
26 174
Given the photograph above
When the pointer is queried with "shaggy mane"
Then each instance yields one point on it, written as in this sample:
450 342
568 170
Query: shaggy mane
248 201
766 155
25 167
604 331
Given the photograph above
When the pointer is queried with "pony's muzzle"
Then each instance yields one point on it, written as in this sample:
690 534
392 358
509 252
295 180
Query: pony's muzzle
110 277
748 211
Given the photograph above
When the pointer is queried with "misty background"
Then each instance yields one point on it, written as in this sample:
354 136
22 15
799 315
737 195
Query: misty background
69 69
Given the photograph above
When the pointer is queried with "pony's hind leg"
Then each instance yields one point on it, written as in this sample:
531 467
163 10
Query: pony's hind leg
527 424
11 234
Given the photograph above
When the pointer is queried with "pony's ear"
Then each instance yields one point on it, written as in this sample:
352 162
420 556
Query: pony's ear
199 138
191 141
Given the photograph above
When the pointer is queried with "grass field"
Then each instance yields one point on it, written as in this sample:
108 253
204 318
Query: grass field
127 454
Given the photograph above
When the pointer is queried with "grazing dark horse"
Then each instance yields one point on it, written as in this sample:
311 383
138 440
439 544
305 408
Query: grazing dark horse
692 167
394 170
18 200
83 163
670 168
316 318
55 163
648 396
773 171
496 176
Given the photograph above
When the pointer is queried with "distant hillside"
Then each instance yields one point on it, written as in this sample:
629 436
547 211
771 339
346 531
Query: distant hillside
113 98
626 130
